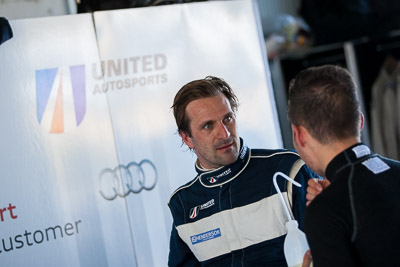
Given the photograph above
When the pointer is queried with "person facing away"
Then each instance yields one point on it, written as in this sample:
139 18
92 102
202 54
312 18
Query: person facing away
354 221
230 213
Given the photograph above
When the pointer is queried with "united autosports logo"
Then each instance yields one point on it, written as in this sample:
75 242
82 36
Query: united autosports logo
61 97
214 179
195 210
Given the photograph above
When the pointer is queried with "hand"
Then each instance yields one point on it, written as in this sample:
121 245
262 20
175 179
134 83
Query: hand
307 259
315 187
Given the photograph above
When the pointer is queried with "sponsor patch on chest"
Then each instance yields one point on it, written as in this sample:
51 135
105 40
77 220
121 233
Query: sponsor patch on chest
195 239
195 210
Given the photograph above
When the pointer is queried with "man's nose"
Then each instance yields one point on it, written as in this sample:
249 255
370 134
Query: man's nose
223 131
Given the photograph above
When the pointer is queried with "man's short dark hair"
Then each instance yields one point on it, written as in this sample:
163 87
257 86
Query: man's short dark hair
324 101
203 88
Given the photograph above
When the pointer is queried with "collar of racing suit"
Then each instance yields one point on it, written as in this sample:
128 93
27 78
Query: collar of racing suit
224 174
355 153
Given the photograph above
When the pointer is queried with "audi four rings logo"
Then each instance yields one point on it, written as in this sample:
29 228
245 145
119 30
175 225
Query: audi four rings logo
123 180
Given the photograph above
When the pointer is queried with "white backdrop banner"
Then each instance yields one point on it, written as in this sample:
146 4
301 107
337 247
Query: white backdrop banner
90 153
55 139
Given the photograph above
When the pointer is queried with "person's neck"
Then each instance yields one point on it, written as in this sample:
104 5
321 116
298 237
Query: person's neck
200 166
326 152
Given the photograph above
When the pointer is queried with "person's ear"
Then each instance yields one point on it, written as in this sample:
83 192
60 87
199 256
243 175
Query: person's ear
186 139
299 135
361 121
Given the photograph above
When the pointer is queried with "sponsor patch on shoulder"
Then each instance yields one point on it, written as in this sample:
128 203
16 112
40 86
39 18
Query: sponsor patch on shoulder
376 165
361 150
195 239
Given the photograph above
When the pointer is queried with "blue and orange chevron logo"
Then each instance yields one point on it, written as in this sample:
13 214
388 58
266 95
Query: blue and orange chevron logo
57 88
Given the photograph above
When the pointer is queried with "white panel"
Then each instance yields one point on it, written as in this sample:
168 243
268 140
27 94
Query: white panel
98 153
254 227
52 179
148 54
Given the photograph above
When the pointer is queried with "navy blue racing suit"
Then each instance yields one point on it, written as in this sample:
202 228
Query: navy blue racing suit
233 216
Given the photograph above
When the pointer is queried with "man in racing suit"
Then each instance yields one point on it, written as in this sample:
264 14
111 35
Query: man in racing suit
354 221
230 214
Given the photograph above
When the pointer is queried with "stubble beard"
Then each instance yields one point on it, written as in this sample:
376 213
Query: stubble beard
231 154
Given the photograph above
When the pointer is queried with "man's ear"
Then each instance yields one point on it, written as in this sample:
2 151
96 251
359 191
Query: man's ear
299 135
186 139
361 121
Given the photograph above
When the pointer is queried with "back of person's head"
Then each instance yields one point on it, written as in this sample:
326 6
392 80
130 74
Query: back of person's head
198 89
324 101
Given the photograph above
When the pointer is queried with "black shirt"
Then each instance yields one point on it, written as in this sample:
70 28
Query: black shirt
356 220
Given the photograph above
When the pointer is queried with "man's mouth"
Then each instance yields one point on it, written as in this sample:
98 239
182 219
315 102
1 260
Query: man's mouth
225 147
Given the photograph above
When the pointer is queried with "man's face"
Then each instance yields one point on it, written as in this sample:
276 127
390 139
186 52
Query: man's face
213 127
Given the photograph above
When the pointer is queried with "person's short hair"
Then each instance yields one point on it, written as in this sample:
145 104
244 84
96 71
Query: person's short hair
324 100
203 88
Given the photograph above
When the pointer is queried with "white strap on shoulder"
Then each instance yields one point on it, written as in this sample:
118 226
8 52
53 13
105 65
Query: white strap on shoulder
292 174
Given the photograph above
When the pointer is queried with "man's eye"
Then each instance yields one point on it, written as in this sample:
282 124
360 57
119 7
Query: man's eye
206 126
228 119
